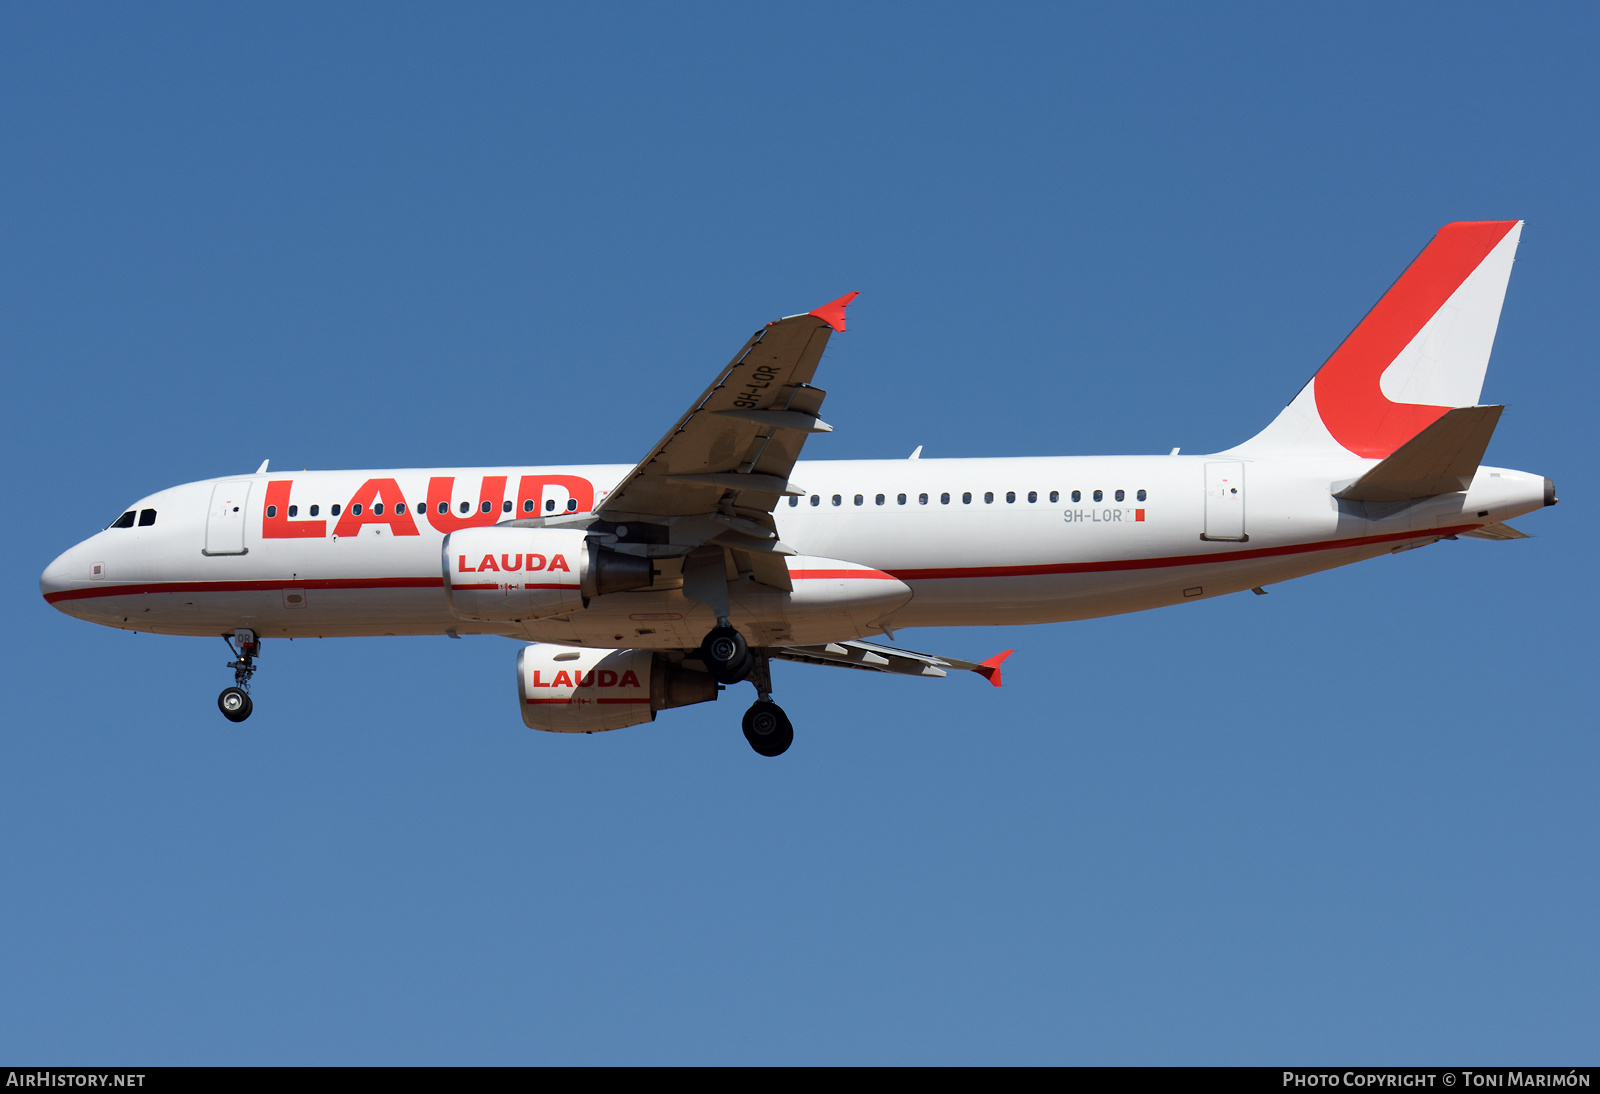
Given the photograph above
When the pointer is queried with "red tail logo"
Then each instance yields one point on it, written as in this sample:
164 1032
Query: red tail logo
1349 399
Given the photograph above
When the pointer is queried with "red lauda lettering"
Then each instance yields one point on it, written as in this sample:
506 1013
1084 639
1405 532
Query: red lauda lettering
531 488
462 567
562 680
381 491
538 683
585 681
559 562
510 562
487 563
629 680
531 566
442 489
275 522
608 679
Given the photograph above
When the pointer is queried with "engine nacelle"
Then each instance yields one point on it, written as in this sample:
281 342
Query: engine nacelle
565 690
498 574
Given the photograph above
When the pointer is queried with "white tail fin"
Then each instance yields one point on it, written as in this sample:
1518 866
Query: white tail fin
1420 352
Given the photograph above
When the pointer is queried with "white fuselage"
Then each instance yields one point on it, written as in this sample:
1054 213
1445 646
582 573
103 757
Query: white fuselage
1062 538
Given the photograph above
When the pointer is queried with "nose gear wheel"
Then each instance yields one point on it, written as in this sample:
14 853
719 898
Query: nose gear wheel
235 702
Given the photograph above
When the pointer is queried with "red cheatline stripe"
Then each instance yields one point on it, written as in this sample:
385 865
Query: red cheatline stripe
902 575
873 575
1174 560
569 702
468 588
247 586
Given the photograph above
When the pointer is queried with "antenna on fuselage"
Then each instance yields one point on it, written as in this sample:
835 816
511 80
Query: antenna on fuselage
262 470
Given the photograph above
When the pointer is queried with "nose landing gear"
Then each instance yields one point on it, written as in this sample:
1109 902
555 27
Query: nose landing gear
235 702
766 726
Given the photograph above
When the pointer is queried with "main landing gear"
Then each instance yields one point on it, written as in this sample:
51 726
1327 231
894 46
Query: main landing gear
235 702
729 659
766 726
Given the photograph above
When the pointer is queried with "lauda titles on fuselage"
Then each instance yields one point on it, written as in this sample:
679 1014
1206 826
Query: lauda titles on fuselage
644 587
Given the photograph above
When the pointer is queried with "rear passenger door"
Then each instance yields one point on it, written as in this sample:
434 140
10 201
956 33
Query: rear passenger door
1225 501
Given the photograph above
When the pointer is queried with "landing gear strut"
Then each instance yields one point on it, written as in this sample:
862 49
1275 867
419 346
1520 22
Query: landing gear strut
766 727
235 702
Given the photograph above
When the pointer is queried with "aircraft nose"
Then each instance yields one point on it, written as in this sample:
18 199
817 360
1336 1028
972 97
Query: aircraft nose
66 573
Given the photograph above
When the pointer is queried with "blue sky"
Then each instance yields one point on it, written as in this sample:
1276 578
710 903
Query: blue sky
1349 821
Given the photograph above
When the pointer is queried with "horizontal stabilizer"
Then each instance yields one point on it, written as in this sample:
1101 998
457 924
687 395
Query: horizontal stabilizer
1496 531
876 658
1440 460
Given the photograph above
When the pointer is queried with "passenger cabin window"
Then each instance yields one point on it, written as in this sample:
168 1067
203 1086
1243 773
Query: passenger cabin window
488 507
816 499
356 508
294 510
966 498
793 501
922 499
505 506
1122 495
527 505
550 505
147 517
1011 497
377 509
1077 495
988 497
900 499
399 508
314 509
1099 495
125 520
878 500
466 507
944 499
1033 496
860 499
444 507
837 499
1140 495
333 510
272 510
1055 495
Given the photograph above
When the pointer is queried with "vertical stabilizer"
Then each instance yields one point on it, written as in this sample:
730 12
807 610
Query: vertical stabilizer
1420 352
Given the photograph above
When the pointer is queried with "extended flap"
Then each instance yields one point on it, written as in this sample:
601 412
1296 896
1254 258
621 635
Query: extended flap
1440 460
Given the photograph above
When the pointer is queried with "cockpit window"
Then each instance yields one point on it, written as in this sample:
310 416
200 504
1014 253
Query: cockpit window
125 520
147 517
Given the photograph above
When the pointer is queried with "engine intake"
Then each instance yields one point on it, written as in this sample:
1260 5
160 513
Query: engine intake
565 690
497 574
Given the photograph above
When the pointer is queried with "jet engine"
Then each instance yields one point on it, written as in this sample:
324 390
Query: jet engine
565 690
495 574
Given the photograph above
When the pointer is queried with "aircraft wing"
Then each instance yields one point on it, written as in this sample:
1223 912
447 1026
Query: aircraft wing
738 442
875 658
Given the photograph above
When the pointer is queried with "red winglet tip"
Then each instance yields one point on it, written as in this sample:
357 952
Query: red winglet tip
832 313
991 667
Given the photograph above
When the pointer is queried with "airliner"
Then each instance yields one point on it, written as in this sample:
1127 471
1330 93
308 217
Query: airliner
646 587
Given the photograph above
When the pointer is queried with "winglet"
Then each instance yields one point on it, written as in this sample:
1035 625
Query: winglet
833 313
991 668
